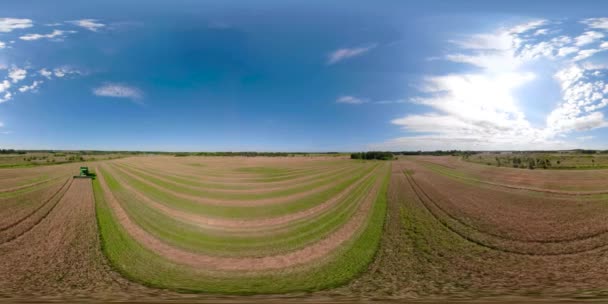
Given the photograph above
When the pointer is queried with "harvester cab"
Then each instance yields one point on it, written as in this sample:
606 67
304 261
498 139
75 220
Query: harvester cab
84 173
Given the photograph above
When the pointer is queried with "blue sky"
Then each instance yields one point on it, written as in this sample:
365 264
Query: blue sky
303 75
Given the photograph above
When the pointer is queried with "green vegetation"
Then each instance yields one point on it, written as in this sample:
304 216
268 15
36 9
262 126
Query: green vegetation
288 237
209 193
373 155
142 265
228 211
24 159
545 160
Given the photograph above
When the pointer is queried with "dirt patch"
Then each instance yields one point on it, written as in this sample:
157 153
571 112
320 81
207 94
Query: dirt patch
61 255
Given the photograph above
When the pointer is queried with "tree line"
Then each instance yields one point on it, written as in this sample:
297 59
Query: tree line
373 155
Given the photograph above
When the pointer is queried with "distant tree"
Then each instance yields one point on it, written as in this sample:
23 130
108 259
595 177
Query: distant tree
373 155
531 164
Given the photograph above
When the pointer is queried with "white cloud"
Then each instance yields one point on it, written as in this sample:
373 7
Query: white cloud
564 51
46 73
597 23
33 87
2 45
17 74
10 24
345 53
4 85
584 54
588 37
118 91
54 34
350 100
6 97
89 24
61 72
482 110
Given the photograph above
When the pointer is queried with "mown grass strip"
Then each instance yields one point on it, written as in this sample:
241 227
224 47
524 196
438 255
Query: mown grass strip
286 191
139 264
224 186
190 237
231 184
227 211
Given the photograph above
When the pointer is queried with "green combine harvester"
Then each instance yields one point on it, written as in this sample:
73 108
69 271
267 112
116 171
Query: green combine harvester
84 173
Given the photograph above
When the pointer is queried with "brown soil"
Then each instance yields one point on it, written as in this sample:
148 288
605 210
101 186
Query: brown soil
249 225
258 202
513 214
302 256
250 188
15 208
61 257
28 221
421 258
560 180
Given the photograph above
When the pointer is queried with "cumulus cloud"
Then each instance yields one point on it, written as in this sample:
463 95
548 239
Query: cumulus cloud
118 91
6 97
56 34
45 73
14 74
596 23
61 72
17 74
588 37
4 85
345 53
89 24
32 87
11 24
350 100
481 110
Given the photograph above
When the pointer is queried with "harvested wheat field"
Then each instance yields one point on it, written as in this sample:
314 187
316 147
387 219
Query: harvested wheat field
461 230
322 228
240 225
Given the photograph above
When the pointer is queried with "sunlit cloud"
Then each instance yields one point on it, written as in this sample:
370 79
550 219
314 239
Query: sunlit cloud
11 24
481 110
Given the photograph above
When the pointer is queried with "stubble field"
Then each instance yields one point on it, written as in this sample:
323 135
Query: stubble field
333 228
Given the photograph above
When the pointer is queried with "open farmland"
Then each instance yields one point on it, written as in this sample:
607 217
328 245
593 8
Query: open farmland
240 225
418 227
457 229
543 160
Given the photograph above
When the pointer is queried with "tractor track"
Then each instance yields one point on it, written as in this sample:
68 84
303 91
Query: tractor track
58 195
17 188
514 187
420 193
